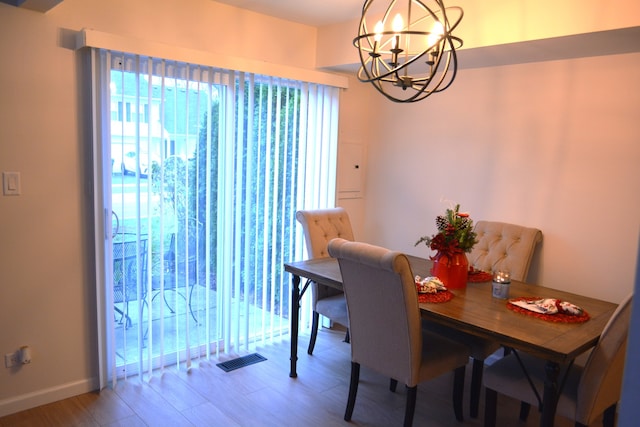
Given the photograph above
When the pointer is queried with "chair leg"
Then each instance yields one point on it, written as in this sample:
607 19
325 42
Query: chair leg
164 297
490 404
524 411
458 392
123 315
314 331
195 319
609 417
167 303
353 390
346 337
393 384
476 386
410 409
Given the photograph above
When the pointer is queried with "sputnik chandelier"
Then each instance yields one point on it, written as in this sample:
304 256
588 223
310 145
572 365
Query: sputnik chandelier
410 52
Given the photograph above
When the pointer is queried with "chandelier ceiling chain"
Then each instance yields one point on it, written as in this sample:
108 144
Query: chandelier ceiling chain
411 52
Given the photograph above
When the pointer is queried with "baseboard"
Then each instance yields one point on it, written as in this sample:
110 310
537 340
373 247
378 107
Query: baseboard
49 395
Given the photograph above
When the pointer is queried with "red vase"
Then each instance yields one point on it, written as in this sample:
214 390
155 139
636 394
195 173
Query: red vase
451 270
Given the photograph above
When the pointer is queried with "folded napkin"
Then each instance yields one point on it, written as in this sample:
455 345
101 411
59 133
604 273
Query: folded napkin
547 306
429 285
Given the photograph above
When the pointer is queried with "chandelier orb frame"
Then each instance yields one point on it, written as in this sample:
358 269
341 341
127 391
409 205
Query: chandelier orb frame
407 58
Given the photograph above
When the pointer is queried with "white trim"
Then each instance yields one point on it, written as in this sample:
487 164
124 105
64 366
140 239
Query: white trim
48 395
99 39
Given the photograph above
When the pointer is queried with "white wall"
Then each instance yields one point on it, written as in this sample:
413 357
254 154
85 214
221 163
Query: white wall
553 145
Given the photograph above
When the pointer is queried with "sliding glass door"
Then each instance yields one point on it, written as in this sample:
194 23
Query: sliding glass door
207 169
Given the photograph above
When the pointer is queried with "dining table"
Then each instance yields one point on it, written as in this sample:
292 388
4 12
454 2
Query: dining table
476 311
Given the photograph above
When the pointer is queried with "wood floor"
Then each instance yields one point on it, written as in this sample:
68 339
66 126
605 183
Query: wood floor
263 395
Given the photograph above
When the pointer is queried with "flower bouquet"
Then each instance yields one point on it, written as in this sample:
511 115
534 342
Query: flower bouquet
454 238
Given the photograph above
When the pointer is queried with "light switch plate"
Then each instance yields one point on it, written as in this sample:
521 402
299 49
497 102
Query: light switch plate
10 360
11 183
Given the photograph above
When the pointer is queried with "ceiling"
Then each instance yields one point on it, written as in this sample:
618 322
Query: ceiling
319 13
316 13
37 5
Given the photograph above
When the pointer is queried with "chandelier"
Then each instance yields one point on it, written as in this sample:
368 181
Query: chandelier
411 52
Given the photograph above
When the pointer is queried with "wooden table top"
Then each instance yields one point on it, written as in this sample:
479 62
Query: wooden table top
476 311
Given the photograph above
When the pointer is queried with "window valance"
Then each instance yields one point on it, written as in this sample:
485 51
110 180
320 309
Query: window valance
102 40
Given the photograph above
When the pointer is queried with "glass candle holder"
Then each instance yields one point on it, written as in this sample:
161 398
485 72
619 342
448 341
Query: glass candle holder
501 284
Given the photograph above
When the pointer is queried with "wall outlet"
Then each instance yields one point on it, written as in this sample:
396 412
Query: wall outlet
11 359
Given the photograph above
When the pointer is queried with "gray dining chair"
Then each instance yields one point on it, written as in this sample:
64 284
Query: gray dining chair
588 392
501 246
320 226
385 327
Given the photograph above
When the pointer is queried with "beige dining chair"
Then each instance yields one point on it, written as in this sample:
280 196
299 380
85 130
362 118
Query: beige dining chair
320 226
588 392
501 246
385 327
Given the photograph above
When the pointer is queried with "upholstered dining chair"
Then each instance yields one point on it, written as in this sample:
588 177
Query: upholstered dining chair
501 246
320 226
588 391
385 327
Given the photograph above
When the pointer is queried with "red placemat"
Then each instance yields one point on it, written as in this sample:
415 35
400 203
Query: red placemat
558 317
479 276
442 296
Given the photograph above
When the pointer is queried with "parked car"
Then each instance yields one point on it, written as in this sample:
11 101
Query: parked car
130 165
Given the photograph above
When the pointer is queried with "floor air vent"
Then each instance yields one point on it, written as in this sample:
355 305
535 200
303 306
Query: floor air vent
240 362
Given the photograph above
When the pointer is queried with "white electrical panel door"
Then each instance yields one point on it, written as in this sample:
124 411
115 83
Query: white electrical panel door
350 170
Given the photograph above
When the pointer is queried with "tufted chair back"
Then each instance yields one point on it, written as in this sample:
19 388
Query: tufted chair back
503 246
322 225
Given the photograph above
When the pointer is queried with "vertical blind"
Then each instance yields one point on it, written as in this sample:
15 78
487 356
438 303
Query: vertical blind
201 171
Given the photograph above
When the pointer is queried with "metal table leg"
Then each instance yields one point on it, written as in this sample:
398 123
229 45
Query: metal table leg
295 319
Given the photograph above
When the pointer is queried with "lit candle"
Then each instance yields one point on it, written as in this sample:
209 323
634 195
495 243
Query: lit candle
501 281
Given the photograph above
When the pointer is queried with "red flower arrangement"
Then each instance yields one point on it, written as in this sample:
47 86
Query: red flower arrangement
455 233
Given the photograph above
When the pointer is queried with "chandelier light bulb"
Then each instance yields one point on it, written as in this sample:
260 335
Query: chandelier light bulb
436 34
379 28
397 24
